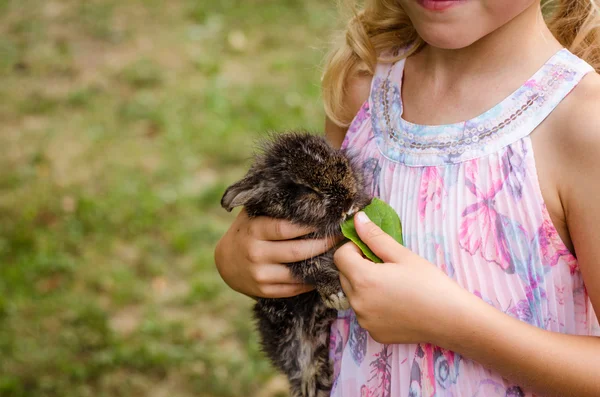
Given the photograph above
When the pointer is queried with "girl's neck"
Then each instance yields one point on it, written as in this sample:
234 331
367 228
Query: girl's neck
448 86
523 43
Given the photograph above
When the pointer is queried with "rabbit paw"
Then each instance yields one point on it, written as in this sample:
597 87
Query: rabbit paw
337 301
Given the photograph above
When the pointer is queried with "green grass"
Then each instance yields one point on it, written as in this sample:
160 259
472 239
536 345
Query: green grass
122 124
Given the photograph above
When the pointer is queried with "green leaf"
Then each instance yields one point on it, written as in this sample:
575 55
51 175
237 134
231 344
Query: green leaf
383 216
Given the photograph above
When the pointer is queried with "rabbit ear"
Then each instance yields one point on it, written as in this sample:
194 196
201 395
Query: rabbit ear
241 192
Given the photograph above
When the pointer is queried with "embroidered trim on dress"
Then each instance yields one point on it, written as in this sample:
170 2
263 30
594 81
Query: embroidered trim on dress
456 142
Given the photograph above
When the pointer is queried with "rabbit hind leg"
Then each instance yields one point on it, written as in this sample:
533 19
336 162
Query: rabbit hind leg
315 375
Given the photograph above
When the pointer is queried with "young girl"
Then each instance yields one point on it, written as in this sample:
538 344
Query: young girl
478 123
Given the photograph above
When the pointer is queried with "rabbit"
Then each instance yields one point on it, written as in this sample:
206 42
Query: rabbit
301 178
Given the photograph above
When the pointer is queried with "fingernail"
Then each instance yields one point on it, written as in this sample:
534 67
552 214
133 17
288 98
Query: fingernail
361 217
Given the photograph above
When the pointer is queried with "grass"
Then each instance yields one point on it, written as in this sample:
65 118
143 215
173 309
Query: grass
122 124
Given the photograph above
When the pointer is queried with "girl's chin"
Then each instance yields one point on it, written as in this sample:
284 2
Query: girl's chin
446 44
437 36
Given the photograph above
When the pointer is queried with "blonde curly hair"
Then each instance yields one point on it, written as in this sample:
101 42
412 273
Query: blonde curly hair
382 27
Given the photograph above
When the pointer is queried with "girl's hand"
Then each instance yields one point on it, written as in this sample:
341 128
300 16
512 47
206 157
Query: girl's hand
406 299
249 256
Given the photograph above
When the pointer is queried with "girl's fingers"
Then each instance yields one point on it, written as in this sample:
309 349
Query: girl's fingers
299 249
381 243
269 229
346 286
270 274
348 259
284 290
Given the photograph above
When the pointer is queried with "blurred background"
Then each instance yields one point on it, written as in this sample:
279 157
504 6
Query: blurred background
121 124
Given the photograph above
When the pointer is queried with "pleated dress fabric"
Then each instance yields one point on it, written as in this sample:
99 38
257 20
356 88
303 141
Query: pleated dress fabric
469 200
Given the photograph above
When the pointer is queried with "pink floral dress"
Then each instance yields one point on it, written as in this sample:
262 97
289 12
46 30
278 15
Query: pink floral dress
470 202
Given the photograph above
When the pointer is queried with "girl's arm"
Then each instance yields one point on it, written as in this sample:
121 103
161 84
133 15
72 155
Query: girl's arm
553 364
549 363
334 133
358 91
415 302
407 299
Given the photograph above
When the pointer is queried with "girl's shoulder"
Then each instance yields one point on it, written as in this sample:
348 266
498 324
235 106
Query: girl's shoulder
359 88
357 91
574 139
571 143
585 100
576 122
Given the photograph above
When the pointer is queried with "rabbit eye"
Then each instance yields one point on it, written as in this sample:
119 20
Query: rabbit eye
304 190
300 189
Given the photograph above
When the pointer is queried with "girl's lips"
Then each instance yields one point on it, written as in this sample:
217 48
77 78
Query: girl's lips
439 5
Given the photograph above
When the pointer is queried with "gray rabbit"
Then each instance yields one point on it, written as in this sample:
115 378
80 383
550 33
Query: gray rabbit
302 178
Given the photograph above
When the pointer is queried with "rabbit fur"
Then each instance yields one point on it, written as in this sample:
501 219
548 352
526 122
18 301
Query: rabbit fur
301 178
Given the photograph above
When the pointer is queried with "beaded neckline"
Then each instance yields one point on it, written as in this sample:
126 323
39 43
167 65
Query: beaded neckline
512 118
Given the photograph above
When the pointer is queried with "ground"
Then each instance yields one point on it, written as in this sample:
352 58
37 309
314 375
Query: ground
121 124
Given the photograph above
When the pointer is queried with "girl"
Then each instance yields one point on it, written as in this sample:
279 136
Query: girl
493 294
